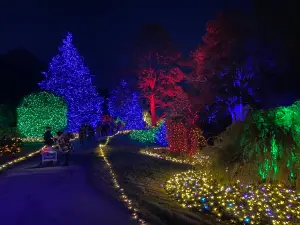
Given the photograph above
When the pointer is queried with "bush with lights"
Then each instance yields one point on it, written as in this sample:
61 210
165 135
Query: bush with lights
263 148
184 138
69 78
39 110
161 134
271 139
147 136
10 145
124 104
254 172
154 135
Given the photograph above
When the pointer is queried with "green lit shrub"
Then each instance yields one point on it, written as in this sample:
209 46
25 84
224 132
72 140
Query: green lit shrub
263 148
39 110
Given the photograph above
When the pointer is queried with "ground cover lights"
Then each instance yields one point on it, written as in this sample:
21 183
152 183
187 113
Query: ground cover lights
241 204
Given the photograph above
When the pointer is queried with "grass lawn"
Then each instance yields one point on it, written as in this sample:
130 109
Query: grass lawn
142 176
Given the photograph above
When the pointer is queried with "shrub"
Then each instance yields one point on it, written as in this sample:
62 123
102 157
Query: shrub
39 110
264 148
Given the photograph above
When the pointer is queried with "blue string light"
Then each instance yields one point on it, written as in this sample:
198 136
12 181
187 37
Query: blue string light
124 105
161 135
69 78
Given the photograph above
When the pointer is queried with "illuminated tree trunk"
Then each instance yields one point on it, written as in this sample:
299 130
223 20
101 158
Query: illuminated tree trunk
152 110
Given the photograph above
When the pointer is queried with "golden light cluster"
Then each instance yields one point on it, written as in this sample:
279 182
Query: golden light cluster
123 196
40 139
32 139
238 203
191 160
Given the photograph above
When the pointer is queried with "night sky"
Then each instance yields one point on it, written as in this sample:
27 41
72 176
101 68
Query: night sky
102 32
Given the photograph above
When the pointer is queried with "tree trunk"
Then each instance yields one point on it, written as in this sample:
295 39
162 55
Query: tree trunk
152 110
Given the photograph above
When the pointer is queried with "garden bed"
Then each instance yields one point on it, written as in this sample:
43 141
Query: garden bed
198 191
142 178
235 203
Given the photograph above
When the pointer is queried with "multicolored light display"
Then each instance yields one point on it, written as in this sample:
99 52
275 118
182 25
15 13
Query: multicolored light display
129 204
155 135
69 78
238 203
39 110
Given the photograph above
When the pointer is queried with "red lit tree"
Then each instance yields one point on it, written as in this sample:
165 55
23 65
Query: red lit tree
220 52
158 76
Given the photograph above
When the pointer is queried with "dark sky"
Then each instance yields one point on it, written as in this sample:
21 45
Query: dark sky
102 31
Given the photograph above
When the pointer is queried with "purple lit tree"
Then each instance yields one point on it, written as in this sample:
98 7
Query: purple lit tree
68 77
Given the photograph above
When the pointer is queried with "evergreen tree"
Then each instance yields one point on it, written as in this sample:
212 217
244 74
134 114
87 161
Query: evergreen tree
69 78
124 105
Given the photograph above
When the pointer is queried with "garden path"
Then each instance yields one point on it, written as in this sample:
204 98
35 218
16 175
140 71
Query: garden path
142 177
57 195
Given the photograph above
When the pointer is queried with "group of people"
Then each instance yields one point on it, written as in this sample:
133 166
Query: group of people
87 132
62 141
108 128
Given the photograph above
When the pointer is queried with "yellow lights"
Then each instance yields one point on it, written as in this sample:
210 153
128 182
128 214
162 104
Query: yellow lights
121 191
10 163
3 166
40 139
249 204
32 139
162 153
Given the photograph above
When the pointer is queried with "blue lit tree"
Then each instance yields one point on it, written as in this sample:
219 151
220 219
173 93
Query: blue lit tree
68 77
161 135
124 105
239 90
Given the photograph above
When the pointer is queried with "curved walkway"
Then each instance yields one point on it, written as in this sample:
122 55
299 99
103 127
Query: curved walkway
56 196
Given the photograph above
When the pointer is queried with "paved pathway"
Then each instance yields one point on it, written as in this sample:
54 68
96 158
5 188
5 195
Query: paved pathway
56 196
